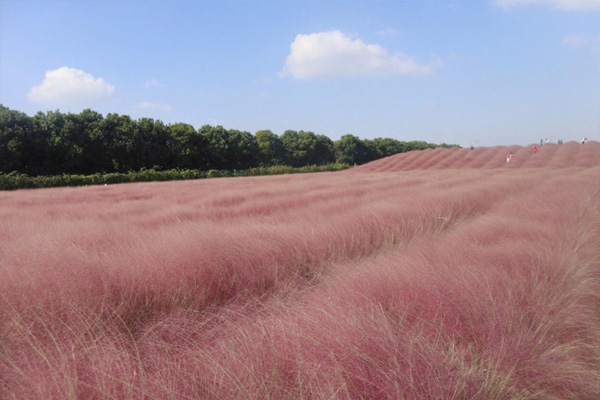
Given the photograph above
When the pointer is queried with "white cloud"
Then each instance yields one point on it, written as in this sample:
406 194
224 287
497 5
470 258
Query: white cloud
154 83
70 87
582 42
154 106
333 54
582 5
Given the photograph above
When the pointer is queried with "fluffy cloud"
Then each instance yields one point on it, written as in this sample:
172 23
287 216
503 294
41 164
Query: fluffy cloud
70 87
562 4
154 106
333 54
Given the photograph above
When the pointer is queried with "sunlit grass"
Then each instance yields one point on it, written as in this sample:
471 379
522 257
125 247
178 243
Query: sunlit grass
385 281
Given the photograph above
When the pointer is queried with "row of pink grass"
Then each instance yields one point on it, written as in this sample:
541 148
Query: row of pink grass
428 283
570 154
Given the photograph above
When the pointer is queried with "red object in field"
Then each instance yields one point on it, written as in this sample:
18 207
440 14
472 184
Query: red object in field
535 149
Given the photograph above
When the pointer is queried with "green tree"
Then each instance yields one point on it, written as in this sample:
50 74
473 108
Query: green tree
270 148
229 149
386 147
324 151
90 136
57 155
158 145
351 150
217 144
300 147
124 142
243 150
55 143
16 140
190 148
419 145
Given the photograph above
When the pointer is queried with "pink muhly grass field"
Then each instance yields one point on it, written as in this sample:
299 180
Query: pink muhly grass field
439 274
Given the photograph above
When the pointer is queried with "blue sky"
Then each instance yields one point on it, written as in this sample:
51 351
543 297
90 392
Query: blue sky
481 72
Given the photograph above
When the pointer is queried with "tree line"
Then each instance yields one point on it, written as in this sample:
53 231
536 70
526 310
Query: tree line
54 143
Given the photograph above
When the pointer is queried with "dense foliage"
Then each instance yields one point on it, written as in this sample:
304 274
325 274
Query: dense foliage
55 143
15 180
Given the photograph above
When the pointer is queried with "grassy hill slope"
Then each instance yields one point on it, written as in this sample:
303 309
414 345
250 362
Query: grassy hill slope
445 274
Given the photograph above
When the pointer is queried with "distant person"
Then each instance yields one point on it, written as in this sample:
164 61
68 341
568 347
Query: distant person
583 140
541 142
509 157
547 140
535 149
472 147
560 141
